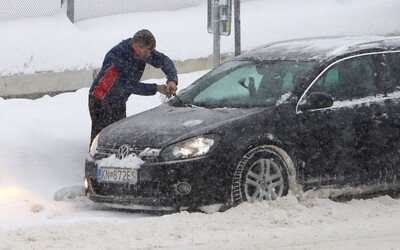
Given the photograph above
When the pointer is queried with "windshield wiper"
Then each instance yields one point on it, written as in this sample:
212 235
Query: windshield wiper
180 100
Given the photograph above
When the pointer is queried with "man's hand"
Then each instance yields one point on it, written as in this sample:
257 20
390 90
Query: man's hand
168 89
162 89
171 86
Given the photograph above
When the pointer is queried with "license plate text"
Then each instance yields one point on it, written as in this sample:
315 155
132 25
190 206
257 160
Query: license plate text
119 175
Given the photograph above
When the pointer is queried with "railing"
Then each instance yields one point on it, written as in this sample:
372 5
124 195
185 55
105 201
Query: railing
15 9
85 9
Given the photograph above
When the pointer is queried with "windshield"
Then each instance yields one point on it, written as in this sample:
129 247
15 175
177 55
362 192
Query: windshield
246 84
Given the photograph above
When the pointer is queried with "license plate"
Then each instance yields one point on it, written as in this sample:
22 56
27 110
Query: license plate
117 175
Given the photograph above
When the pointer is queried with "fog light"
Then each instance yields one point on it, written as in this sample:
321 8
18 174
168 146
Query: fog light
86 183
183 188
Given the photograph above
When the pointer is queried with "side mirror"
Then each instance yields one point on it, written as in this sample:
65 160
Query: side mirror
316 100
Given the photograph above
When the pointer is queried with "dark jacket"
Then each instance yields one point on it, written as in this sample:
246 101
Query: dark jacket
121 72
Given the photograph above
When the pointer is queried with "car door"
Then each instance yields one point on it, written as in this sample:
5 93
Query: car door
339 143
389 91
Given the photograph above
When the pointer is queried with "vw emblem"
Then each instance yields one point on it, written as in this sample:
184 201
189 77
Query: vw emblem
123 151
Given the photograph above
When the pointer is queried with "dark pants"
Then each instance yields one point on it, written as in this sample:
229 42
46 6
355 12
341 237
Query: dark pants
103 115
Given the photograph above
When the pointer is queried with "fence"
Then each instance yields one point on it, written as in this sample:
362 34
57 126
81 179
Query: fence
14 9
84 9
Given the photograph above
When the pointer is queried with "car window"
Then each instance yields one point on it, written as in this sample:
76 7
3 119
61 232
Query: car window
392 62
349 79
247 84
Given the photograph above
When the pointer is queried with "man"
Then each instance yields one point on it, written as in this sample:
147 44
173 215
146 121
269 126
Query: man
120 76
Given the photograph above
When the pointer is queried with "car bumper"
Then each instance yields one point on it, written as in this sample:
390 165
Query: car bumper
159 186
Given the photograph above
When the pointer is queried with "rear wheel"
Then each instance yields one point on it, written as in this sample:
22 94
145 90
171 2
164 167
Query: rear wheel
262 174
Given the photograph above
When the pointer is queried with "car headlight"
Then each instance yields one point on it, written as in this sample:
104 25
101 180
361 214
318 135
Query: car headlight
191 148
93 147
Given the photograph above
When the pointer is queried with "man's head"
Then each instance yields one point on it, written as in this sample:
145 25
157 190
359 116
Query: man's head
143 42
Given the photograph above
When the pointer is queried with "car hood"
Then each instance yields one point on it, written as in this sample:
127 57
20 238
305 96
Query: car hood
166 124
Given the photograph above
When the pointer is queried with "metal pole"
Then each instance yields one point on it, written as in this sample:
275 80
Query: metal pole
217 39
238 48
71 10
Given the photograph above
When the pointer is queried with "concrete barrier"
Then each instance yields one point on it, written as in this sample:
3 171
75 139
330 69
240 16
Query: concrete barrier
36 85
51 83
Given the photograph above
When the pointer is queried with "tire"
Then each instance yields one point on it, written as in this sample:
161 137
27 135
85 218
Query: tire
262 174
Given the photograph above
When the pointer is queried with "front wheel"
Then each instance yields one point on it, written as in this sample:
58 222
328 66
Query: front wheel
262 174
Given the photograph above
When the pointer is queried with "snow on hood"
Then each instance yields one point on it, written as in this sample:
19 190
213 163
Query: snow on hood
166 124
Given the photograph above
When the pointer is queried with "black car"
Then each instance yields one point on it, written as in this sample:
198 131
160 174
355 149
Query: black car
291 116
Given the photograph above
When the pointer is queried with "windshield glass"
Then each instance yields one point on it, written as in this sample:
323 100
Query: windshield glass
246 84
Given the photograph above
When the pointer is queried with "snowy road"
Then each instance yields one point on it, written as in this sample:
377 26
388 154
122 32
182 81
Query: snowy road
43 142
285 224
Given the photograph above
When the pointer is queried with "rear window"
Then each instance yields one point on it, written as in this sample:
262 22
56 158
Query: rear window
349 79
392 61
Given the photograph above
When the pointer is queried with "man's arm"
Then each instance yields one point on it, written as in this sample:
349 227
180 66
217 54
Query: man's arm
159 60
106 77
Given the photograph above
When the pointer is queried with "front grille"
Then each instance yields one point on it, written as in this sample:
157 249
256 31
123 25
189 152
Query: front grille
142 190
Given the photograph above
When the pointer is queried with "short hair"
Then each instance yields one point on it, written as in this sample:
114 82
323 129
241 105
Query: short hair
144 38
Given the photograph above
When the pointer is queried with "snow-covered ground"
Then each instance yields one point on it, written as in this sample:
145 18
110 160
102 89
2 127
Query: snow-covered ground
44 142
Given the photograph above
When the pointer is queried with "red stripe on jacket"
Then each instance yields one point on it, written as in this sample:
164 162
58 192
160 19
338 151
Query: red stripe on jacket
105 82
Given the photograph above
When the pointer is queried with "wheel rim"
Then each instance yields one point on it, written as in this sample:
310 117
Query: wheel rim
264 181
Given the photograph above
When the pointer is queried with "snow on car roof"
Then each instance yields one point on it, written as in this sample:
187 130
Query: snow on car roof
321 48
